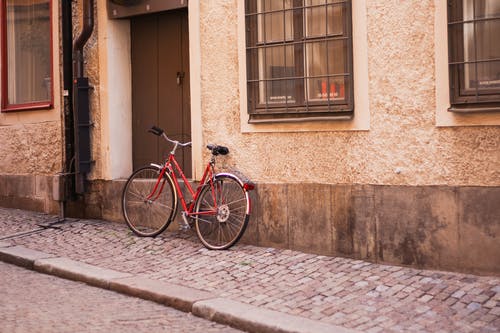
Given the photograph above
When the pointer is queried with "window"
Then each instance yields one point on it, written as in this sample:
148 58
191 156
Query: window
474 55
26 54
299 59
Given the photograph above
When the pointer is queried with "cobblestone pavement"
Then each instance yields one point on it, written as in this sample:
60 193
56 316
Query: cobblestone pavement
351 293
34 302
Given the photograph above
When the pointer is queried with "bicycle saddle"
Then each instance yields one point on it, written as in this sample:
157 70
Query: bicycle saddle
218 150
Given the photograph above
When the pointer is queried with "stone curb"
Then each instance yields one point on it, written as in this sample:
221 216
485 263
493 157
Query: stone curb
78 271
4 244
201 303
21 256
253 319
178 297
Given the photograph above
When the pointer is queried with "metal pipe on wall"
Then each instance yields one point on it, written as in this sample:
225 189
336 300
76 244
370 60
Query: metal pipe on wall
81 40
81 105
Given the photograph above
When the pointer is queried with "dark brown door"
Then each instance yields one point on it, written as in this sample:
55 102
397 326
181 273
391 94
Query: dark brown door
160 86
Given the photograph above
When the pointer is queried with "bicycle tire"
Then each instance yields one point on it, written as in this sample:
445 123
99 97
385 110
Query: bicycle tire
224 228
148 218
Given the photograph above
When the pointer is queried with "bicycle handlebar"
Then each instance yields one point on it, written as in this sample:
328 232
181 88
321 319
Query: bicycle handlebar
160 132
215 149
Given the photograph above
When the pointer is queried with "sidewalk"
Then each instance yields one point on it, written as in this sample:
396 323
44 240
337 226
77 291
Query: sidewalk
252 288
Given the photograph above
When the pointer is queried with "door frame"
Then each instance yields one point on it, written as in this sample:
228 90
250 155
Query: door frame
115 87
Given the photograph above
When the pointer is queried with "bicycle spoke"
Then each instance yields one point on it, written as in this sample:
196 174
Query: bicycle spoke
136 194
205 220
148 217
228 225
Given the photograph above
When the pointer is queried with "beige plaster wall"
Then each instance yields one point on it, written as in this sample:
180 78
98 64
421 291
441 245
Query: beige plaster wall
30 141
403 145
30 148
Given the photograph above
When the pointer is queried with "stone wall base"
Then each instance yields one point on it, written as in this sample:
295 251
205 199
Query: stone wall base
28 192
433 227
453 228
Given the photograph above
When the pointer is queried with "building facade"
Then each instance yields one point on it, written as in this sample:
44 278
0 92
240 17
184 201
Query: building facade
371 129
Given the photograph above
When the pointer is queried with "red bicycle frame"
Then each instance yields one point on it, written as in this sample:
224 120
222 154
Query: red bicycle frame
175 170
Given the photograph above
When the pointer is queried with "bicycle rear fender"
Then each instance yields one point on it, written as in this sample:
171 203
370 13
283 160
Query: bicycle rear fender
247 186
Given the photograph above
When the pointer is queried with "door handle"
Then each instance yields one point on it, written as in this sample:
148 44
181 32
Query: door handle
180 78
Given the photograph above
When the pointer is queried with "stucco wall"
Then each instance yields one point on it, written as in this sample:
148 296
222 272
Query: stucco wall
30 141
30 148
403 145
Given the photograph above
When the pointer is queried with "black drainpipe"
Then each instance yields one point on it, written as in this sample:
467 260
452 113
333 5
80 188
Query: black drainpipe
81 107
67 186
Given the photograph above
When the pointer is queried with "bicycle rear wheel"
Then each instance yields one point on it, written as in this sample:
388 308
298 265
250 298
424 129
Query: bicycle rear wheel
148 214
222 212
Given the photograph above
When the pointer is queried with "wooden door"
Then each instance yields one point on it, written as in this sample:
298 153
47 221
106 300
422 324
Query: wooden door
160 86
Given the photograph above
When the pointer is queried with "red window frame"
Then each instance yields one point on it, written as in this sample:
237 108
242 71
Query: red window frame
6 106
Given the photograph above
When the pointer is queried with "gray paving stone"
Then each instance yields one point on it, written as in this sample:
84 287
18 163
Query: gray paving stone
328 287
60 305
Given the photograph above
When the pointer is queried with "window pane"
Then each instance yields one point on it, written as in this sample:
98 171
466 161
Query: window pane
478 9
326 88
28 51
325 60
276 63
487 37
487 8
469 42
324 20
483 76
480 40
276 24
252 73
456 34
468 10
280 92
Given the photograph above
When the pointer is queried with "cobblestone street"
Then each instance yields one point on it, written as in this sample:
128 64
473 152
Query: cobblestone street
34 302
353 294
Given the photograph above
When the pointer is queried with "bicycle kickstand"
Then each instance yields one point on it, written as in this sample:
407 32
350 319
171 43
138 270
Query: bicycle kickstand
184 225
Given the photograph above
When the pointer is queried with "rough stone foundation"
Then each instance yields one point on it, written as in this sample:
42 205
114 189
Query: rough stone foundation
435 227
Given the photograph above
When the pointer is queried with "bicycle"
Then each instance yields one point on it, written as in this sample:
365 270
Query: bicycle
219 207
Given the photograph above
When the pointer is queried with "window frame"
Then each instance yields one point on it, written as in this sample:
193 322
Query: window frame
304 109
473 100
5 106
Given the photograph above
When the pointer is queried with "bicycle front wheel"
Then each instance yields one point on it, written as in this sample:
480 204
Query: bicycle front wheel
222 212
146 211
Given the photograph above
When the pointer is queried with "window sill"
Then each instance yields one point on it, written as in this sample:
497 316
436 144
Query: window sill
27 107
300 119
474 109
